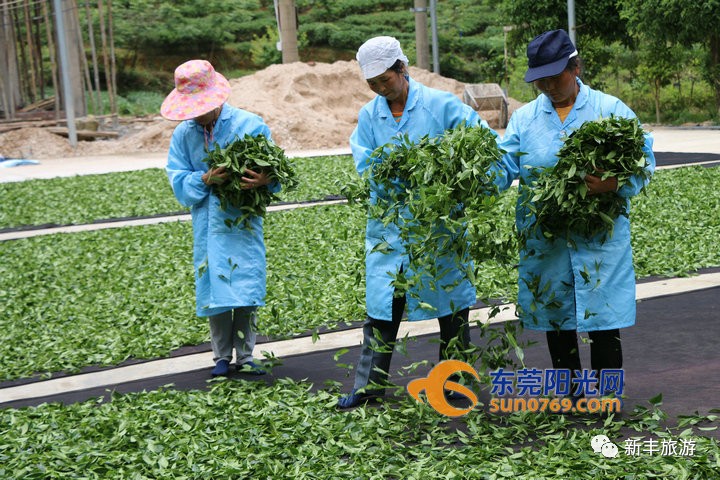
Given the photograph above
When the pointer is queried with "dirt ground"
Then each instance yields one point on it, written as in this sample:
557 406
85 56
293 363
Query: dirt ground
307 106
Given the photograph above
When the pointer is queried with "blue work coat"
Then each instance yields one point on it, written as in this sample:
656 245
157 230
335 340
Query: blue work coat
229 262
427 112
589 286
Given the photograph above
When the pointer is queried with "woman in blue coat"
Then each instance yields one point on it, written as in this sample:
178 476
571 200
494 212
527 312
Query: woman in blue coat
560 290
401 107
229 261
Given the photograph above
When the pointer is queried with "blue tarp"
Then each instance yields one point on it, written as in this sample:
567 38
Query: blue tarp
14 162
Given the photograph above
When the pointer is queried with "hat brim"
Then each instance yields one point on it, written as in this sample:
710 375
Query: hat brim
374 69
178 106
547 70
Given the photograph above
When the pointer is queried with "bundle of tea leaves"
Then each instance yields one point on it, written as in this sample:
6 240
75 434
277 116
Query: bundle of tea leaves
608 147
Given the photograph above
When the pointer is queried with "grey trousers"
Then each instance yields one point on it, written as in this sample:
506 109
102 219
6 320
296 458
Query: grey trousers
234 328
376 353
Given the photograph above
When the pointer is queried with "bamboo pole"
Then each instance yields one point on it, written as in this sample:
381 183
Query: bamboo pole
53 63
31 49
38 50
93 54
11 72
24 87
113 73
106 59
4 65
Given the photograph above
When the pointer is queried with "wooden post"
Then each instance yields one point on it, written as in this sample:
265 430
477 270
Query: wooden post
80 52
288 31
74 69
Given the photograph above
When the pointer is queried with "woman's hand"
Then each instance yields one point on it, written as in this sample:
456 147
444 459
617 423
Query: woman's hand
597 185
253 179
215 176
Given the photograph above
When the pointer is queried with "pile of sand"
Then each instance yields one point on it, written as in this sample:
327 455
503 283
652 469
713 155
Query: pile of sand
306 105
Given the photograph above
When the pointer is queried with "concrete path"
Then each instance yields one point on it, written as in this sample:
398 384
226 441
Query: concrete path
686 139
71 166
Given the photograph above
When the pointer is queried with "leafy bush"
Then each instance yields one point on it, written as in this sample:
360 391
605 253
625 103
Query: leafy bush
472 59
330 10
185 25
140 103
319 33
263 49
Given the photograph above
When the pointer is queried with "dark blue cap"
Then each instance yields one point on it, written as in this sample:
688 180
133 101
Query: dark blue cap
548 54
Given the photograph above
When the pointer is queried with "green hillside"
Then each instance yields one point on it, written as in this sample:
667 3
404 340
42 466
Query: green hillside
667 72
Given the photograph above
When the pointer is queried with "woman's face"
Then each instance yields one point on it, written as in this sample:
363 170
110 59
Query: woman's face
561 89
207 118
391 85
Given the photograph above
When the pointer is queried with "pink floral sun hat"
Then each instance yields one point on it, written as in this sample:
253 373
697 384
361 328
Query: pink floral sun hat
198 90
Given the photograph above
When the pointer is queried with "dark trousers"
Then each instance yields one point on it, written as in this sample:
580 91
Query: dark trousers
605 349
379 338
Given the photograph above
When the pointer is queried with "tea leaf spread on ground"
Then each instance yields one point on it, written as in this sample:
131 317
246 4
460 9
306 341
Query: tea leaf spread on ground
240 429
105 296
89 198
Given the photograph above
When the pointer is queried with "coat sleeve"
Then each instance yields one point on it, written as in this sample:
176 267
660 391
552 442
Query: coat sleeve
449 112
636 182
185 180
507 169
362 143
458 113
259 127
274 186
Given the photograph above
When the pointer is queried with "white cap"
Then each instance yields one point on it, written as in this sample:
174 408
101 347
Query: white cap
378 54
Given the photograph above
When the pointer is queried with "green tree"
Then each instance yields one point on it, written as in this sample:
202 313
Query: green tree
659 65
596 19
598 26
683 22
